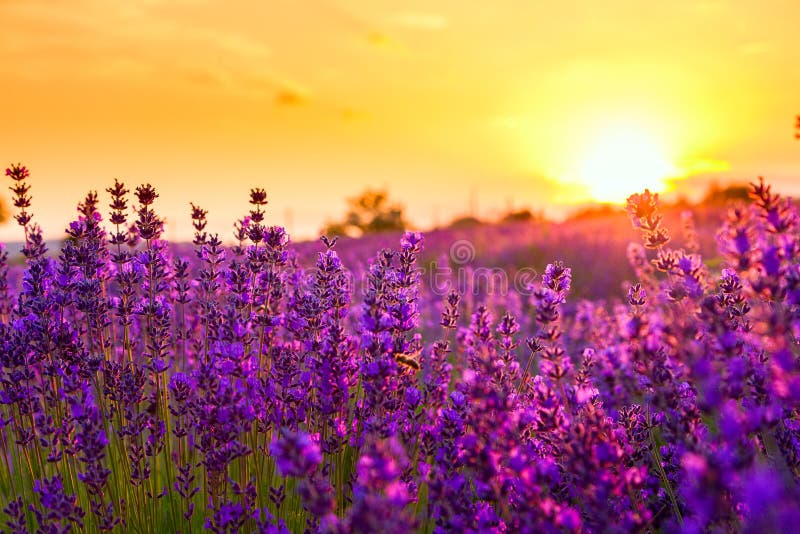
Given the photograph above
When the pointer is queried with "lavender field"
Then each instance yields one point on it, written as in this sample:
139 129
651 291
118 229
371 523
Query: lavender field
454 383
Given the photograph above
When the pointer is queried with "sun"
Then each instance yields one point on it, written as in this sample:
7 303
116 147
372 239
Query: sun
622 161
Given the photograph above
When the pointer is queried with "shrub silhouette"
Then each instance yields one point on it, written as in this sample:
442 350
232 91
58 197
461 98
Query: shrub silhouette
370 212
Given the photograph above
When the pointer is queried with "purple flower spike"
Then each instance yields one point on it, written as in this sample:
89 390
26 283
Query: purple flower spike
296 454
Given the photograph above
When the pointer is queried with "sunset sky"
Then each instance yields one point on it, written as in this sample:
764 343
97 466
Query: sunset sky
450 105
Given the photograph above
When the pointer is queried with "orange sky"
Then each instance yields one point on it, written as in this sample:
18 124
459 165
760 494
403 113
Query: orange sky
439 101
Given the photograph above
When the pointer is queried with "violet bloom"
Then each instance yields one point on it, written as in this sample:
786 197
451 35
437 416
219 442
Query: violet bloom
380 494
412 241
58 508
15 517
296 453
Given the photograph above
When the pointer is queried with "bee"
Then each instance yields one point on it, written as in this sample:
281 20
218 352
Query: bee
409 360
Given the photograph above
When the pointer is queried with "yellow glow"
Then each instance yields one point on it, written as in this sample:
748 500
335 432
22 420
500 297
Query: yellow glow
624 161
206 100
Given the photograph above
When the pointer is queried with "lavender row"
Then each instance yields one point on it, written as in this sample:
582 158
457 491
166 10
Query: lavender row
149 388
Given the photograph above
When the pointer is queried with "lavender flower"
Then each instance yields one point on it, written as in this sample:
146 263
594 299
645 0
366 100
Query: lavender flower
261 387
296 454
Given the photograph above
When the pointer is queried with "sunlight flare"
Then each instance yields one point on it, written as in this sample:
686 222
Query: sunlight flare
624 161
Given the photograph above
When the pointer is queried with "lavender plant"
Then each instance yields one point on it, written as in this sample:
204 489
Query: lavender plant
152 388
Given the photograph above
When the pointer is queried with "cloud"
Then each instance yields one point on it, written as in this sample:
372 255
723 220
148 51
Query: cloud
706 166
239 45
134 43
756 48
203 77
710 7
287 96
379 39
507 122
421 21
353 114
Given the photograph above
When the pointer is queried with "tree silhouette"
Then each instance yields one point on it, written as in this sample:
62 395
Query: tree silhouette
369 213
